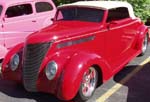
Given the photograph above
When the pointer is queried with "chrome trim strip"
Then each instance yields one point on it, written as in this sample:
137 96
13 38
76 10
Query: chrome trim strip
74 42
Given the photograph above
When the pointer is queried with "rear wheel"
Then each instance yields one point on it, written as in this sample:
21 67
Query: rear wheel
88 85
144 45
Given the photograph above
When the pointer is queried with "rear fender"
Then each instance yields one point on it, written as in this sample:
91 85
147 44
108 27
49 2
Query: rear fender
143 30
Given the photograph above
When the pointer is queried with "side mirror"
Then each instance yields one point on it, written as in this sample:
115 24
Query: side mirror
52 19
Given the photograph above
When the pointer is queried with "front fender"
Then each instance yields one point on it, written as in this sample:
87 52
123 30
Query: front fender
6 71
3 51
72 74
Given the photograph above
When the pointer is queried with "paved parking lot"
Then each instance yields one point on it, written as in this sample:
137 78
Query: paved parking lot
130 85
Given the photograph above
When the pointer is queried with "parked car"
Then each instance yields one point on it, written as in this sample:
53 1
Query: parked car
147 23
19 18
88 43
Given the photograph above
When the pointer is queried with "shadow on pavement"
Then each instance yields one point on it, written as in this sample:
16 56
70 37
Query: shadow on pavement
14 90
138 88
138 85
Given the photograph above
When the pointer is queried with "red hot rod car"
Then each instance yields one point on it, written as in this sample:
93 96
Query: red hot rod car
88 43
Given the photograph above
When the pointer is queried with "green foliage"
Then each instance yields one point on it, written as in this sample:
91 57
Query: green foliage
60 2
141 8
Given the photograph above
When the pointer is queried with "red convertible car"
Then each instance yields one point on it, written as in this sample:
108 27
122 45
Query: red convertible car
88 43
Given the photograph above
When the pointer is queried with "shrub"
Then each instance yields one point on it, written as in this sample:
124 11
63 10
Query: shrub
60 2
141 8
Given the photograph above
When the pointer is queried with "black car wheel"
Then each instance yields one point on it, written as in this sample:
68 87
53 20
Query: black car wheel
144 45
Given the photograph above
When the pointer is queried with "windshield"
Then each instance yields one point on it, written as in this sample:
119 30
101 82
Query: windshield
81 14
0 9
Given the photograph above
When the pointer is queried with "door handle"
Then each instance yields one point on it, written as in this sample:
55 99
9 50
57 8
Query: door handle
34 21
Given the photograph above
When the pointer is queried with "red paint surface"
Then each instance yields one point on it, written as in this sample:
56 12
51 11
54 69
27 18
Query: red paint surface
111 50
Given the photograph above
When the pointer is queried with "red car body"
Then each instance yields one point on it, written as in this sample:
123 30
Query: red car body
75 45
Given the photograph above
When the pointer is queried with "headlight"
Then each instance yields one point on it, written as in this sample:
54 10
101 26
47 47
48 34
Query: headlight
14 63
51 70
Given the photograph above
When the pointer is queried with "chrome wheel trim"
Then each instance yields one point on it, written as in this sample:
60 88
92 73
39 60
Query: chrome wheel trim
89 82
144 45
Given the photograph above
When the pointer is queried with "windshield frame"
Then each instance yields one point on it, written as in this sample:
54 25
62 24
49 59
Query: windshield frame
84 7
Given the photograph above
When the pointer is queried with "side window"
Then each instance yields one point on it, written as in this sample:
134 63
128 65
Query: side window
43 7
117 14
1 9
19 10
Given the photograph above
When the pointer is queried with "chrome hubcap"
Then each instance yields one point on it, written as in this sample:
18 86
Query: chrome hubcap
144 44
89 82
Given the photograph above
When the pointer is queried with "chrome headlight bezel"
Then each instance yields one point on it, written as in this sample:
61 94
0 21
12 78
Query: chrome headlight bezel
14 62
51 70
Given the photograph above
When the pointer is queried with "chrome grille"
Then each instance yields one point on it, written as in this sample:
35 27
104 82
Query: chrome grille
33 57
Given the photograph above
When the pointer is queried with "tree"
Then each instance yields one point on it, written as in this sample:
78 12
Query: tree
60 2
141 8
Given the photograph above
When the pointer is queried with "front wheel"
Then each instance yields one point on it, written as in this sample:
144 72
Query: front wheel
88 85
144 45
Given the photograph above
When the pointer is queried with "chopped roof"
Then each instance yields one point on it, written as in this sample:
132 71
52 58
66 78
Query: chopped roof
106 5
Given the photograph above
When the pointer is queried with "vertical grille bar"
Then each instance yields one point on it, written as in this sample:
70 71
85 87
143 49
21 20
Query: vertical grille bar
33 57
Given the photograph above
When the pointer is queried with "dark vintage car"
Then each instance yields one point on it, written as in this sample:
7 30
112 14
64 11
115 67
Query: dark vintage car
88 43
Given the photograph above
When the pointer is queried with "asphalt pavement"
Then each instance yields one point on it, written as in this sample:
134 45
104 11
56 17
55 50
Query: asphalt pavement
129 85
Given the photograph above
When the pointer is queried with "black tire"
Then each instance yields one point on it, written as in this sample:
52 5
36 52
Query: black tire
83 96
144 45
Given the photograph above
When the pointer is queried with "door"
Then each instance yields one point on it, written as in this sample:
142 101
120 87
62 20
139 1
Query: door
3 50
114 44
19 22
119 37
45 11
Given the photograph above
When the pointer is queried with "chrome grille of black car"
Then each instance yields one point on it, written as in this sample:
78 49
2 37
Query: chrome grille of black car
33 57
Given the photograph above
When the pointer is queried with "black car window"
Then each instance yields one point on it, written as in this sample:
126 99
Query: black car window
19 10
43 7
81 14
1 9
117 14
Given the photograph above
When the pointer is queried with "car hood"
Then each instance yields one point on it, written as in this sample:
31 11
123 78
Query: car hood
63 29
